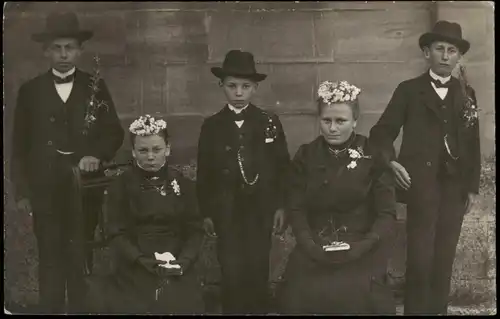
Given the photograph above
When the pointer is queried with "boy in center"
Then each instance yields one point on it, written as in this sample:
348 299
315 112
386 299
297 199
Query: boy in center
242 163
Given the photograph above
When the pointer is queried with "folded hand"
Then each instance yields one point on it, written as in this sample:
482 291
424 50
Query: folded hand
175 268
150 264
357 250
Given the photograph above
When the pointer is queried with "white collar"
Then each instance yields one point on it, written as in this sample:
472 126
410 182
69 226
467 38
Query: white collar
439 78
235 110
63 75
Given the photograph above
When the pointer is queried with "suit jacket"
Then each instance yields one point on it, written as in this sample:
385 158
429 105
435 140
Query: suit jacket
44 123
413 107
218 170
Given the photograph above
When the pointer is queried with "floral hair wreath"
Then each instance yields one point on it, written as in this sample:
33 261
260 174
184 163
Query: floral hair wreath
335 92
147 125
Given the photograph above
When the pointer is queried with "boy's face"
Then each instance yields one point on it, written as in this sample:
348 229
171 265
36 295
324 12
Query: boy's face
238 91
442 57
63 53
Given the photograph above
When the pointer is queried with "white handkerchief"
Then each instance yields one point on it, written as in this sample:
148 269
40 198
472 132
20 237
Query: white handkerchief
167 257
269 140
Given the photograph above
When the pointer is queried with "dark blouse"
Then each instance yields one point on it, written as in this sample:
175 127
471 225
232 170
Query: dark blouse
327 200
147 214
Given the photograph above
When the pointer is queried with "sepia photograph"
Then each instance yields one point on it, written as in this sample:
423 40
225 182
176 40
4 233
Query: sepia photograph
249 158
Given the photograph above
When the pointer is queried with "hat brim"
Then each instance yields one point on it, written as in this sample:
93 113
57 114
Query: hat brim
44 36
426 40
221 74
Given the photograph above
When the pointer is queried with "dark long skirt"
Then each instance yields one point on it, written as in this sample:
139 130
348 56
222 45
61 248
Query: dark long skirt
358 287
114 294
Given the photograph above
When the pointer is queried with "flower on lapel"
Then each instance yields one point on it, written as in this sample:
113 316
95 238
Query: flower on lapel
355 155
93 104
176 187
271 131
470 110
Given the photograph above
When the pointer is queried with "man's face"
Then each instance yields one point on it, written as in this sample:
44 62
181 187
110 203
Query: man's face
238 91
63 53
442 57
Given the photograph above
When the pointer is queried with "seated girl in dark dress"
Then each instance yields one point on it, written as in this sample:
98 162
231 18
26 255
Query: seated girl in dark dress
152 214
341 205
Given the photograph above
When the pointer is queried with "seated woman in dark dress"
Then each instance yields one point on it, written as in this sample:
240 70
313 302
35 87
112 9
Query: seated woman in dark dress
341 205
151 211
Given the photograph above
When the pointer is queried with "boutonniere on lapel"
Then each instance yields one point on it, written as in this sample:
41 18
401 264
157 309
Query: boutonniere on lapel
176 187
271 131
93 104
355 155
470 110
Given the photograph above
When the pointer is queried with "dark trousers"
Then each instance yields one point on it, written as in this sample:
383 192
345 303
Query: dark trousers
434 220
243 254
59 234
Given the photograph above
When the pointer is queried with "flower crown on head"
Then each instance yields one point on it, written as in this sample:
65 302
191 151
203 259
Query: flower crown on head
147 125
335 92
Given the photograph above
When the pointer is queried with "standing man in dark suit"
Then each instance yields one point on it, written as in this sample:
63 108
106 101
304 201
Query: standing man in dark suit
63 118
242 163
438 168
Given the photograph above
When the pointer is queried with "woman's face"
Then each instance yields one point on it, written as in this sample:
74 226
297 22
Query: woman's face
150 152
336 122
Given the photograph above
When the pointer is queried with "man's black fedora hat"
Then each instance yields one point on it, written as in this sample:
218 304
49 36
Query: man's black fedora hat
62 25
448 32
239 64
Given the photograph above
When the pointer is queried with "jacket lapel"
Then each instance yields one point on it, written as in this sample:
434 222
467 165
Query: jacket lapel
52 99
458 100
228 128
428 94
77 101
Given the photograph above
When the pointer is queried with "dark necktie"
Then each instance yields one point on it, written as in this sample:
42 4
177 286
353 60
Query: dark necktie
439 85
67 79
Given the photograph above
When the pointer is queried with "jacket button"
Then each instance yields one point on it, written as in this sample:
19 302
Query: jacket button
445 121
443 106
228 148
52 119
428 163
225 171
49 143
325 182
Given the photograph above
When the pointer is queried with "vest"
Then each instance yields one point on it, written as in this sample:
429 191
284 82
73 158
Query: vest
449 129
66 138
